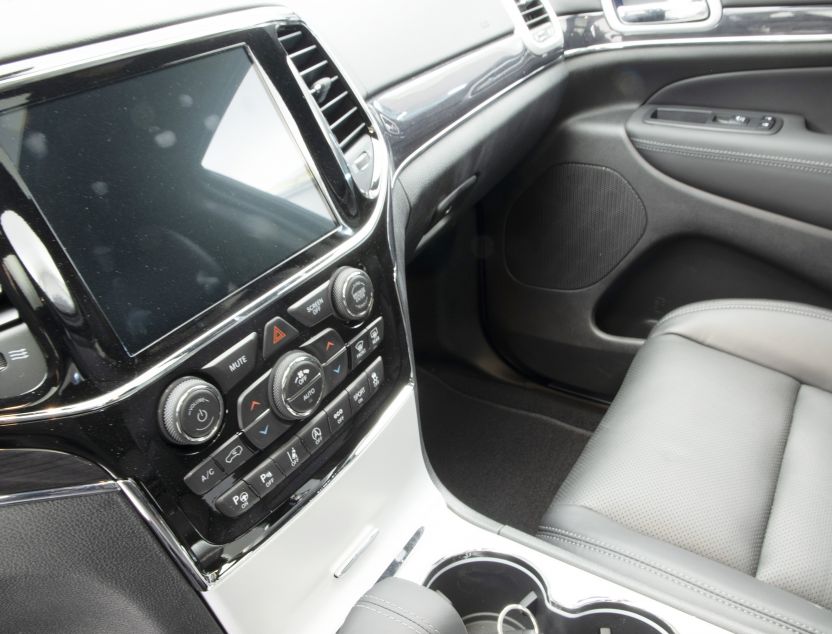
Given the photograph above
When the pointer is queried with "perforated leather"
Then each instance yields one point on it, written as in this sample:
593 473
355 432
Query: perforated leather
718 445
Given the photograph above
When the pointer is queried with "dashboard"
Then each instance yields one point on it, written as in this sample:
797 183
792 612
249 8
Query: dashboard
201 288
208 402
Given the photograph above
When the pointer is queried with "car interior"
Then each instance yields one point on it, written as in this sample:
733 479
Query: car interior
370 317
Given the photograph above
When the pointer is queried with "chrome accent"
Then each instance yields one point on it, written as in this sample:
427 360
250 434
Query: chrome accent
662 16
53 64
364 543
237 552
60 493
38 262
591 32
157 524
419 111
397 562
539 39
172 411
524 566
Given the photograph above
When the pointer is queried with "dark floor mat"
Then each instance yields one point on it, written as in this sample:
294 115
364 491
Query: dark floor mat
504 462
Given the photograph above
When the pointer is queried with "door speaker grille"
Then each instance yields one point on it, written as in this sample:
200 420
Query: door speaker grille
572 227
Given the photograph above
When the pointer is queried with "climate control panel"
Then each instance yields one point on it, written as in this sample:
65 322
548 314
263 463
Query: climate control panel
311 379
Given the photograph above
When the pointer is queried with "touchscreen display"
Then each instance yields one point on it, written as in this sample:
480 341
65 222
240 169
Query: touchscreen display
169 190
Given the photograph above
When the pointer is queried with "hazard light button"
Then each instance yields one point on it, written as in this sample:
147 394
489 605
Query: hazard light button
276 335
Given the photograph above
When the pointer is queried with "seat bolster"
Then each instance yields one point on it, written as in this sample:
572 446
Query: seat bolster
725 596
795 339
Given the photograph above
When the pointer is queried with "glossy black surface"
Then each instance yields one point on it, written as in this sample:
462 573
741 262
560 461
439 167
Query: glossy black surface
168 190
418 109
28 470
82 331
86 360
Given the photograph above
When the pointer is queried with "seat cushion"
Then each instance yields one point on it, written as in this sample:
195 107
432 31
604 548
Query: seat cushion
711 468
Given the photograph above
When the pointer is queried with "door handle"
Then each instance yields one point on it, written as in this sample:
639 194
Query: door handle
655 16
664 11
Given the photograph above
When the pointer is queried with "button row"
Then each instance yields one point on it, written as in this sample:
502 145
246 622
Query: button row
366 342
292 454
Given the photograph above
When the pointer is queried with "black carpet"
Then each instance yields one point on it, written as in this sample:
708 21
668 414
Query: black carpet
501 460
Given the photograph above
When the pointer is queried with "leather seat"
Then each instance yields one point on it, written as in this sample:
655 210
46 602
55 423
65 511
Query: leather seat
709 481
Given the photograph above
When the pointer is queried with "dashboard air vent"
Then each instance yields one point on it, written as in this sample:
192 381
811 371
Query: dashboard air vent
533 12
337 103
7 311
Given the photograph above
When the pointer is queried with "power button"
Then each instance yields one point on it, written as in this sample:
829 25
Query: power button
191 411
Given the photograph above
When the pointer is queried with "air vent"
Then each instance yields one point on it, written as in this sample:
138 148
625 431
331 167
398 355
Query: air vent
337 103
533 12
8 313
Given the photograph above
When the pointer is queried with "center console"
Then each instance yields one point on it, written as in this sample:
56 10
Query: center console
198 291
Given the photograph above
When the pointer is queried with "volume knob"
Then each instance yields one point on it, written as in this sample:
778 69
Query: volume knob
191 411
352 294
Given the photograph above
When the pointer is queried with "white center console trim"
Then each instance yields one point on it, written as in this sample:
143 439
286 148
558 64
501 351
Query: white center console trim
289 584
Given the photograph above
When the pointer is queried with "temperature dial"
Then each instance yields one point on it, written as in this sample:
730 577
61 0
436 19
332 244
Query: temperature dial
190 412
297 385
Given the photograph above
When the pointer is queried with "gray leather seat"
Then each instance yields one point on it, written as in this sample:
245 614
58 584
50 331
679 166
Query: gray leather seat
710 478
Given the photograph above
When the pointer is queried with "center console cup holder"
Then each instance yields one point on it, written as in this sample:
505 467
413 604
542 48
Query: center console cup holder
480 585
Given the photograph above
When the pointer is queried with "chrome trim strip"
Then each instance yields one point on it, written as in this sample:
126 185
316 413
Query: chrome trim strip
591 32
163 533
246 544
368 538
94 488
17 73
443 96
712 18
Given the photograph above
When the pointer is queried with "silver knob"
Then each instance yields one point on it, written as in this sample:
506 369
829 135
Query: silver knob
191 411
352 294
297 385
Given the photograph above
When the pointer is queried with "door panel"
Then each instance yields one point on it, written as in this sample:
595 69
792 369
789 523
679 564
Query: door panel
694 244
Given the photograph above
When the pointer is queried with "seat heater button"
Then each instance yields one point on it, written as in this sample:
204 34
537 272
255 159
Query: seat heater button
314 308
233 366
290 456
236 501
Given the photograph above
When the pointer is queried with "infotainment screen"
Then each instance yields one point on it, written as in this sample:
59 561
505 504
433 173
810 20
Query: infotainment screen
169 190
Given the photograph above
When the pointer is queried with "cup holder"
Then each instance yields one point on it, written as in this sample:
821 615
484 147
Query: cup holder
481 585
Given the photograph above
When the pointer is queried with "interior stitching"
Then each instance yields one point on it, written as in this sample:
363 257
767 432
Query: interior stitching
392 618
420 620
692 584
779 472
671 571
707 150
772 309
732 159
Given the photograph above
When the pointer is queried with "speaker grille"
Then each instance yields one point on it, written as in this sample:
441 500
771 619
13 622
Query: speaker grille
572 226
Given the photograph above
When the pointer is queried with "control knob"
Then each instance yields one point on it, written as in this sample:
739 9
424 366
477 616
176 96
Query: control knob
352 293
191 411
297 385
